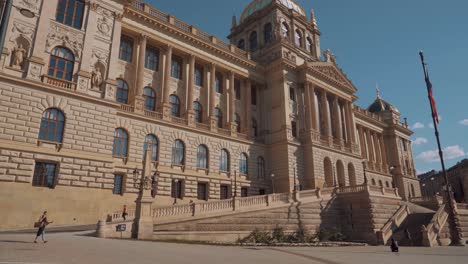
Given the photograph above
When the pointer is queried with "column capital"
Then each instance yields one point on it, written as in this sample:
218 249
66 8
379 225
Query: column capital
143 37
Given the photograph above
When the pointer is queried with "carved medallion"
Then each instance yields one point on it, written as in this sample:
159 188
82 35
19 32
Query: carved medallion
105 21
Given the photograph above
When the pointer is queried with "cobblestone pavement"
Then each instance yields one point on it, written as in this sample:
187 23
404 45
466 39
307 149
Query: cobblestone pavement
82 248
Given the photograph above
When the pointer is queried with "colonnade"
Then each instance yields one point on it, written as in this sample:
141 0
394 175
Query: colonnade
373 149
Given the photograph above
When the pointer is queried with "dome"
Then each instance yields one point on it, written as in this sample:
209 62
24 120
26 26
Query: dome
380 105
260 4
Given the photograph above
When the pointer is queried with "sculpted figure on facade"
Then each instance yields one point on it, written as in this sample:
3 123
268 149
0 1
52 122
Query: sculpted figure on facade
96 78
19 53
327 55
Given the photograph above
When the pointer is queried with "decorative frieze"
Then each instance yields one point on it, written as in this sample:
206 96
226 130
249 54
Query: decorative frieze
61 35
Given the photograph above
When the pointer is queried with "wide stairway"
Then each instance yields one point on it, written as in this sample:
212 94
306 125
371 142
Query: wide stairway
409 233
463 214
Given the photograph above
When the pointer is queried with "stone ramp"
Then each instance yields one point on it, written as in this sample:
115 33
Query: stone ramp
418 217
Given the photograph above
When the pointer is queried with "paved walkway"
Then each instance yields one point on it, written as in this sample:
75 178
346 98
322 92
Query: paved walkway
81 248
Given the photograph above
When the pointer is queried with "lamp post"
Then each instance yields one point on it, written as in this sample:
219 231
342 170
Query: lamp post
235 181
273 182
295 184
392 169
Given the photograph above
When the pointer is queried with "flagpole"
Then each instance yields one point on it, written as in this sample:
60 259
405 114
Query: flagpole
455 230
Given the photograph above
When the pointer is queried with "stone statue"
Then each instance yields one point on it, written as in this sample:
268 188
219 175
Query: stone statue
18 56
96 78
327 55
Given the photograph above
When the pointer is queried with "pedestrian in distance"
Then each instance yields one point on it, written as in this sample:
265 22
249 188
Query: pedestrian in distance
394 246
42 223
124 213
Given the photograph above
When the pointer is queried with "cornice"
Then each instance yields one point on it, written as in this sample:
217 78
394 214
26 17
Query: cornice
329 73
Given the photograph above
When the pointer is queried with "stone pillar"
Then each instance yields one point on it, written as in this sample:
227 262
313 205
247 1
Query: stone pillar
384 154
350 123
317 111
248 107
344 123
327 116
190 88
113 71
144 216
370 147
166 85
308 106
85 72
213 96
313 103
232 103
140 73
363 143
337 114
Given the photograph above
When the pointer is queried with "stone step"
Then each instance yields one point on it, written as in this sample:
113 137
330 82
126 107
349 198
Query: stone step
236 227
262 221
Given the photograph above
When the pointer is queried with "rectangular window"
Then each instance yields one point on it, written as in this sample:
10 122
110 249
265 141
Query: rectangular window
45 174
292 94
261 192
403 144
237 90
152 58
219 83
198 75
118 184
225 192
253 93
202 191
294 129
177 189
244 192
176 67
126 48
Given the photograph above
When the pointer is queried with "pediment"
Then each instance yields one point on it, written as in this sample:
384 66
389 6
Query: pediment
331 74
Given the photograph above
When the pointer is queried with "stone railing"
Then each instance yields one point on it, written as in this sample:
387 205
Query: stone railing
432 230
462 206
152 114
223 131
178 120
432 202
117 215
59 83
202 126
127 108
395 221
352 189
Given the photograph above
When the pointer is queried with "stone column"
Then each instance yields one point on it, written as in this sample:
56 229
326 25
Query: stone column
144 217
313 115
232 103
378 158
85 72
140 73
384 154
113 71
167 81
327 116
317 111
337 114
308 106
370 147
248 107
363 144
190 88
344 123
213 96
350 123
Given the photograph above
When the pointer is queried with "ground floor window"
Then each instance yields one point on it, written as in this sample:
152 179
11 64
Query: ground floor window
244 192
224 192
177 189
118 184
45 174
261 192
202 191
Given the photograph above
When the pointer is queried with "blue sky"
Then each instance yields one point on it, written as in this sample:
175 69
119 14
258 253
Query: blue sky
378 42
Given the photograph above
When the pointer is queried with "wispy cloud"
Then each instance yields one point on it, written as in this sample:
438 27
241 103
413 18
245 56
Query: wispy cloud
417 125
431 125
451 152
420 141
463 122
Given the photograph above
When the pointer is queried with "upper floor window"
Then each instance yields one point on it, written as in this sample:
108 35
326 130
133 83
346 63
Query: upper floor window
120 148
175 105
254 127
219 117
152 58
284 30
224 161
118 184
150 99
126 48
219 83
268 33
202 157
309 44
261 167
403 144
197 107
292 94
253 41
151 142
298 38
70 12
253 95
243 169
61 64
176 67
294 129
237 90
45 174
237 120
241 44
122 91
178 153
198 76
52 124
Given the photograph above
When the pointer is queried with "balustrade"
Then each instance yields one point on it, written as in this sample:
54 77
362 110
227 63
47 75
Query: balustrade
59 83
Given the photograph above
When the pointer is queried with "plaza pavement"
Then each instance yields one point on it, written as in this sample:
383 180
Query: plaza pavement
82 248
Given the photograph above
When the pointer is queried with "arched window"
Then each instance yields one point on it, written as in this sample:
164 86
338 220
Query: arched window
52 124
219 117
241 44
328 169
285 30
261 167
224 161
243 168
254 127
373 182
268 33
198 76
219 83
202 157
298 38
151 141
120 148
237 120
122 91
253 41
70 12
380 183
175 105
341 174
412 191
352 175
61 64
387 184
178 153
197 107
150 99
309 44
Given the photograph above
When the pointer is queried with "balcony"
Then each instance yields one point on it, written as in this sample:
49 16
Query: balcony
203 126
152 114
127 108
59 83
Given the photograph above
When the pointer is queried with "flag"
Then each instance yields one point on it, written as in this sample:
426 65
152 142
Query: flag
431 97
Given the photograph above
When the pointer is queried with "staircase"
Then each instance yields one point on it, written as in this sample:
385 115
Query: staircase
463 215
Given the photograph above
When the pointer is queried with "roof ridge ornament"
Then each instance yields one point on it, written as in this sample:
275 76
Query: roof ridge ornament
377 90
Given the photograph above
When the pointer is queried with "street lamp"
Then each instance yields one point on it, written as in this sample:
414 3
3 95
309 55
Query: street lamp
273 181
392 169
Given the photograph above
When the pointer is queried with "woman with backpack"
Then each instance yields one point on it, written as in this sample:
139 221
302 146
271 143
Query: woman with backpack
41 224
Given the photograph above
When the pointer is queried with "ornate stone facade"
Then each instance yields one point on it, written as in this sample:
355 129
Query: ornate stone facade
280 103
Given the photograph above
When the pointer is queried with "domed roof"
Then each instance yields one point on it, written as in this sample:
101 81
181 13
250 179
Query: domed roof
380 105
256 5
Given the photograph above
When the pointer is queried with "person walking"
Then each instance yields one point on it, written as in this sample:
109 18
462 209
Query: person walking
124 213
394 246
41 224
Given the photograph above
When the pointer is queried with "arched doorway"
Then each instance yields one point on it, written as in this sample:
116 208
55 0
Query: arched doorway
341 174
328 169
352 175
